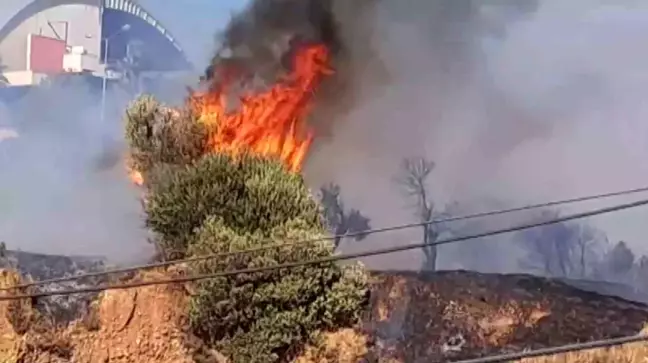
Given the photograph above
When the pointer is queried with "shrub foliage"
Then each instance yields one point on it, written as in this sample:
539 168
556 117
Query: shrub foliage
251 194
159 135
267 316
203 204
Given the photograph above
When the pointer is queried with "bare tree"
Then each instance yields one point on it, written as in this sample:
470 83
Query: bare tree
339 220
588 242
551 249
563 249
413 179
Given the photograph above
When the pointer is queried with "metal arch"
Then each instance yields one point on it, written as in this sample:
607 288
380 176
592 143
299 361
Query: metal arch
128 6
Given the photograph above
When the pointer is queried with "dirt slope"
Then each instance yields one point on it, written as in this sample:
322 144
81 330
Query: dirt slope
123 326
441 317
460 314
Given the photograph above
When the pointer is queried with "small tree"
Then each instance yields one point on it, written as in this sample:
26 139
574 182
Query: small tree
620 260
413 180
551 249
588 242
562 249
338 219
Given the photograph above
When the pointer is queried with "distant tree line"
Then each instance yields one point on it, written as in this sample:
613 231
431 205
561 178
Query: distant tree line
574 250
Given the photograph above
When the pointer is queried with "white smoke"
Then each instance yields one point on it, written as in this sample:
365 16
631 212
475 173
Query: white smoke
64 188
553 109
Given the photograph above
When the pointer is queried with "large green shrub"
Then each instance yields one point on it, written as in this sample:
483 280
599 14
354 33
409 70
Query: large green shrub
159 136
268 316
215 203
250 193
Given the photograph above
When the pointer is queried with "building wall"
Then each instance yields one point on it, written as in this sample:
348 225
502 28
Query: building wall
45 54
83 29
24 78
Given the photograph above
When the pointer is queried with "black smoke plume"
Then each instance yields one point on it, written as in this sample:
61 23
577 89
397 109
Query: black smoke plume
256 48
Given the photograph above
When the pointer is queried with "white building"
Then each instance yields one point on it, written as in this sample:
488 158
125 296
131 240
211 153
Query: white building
39 38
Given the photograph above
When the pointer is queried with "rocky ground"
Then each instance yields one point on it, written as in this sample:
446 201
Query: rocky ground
441 317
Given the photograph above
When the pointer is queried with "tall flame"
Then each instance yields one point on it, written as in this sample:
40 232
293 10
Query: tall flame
136 177
270 123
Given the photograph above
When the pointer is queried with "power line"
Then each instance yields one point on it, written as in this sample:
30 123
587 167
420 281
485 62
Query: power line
329 259
557 350
314 240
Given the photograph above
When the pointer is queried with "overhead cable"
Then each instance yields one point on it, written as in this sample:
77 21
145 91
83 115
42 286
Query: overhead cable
334 258
270 246
605 343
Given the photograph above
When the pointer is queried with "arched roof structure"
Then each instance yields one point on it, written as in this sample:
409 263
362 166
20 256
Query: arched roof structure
162 50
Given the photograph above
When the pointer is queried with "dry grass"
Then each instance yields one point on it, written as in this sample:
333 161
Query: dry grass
343 346
9 338
627 353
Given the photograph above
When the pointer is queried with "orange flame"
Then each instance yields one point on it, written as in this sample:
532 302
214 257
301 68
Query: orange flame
273 122
136 177
270 123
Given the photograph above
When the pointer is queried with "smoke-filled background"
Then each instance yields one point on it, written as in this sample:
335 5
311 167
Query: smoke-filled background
516 102
64 189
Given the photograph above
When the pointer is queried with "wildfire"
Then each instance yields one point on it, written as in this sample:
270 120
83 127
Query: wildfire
273 122
269 123
136 177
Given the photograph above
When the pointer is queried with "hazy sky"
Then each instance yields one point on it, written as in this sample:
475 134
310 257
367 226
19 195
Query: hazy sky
194 22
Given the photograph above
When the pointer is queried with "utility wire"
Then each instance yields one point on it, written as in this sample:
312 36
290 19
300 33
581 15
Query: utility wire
557 350
329 259
314 240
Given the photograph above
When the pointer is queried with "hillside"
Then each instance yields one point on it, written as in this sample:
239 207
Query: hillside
469 314
445 316
43 266
139 325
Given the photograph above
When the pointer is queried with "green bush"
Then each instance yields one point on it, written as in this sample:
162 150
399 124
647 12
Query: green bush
215 203
158 135
268 316
251 194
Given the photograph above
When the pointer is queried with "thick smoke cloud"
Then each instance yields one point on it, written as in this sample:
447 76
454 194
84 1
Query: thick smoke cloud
64 187
515 101
514 104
